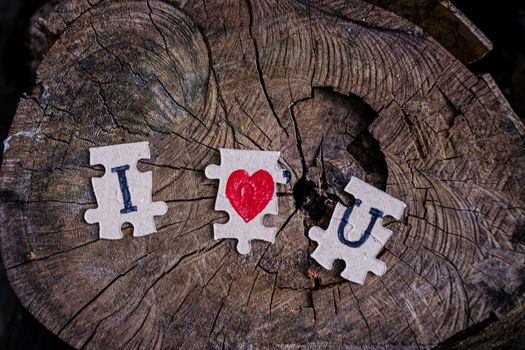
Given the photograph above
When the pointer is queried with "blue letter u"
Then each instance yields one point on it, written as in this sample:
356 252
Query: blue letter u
374 213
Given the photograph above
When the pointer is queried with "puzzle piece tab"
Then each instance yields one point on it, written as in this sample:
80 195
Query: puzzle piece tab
123 193
247 192
356 234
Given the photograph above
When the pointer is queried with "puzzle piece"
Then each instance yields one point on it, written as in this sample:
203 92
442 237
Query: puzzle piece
356 234
247 192
123 193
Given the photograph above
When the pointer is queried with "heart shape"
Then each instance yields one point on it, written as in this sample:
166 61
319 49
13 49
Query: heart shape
249 195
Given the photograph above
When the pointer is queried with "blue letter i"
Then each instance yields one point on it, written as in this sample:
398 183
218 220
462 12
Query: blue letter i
124 189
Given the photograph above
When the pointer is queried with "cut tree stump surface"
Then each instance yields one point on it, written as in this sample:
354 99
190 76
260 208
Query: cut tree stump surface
341 89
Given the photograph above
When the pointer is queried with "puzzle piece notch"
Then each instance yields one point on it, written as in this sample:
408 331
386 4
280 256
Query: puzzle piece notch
356 234
250 161
123 193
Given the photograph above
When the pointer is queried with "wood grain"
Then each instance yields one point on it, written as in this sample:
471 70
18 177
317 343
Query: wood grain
446 23
340 89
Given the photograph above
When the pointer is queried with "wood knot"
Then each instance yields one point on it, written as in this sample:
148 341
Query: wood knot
31 256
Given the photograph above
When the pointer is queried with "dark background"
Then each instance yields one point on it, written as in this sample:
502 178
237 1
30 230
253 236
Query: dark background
503 23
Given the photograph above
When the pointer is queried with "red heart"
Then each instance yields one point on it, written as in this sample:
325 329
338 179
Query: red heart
249 195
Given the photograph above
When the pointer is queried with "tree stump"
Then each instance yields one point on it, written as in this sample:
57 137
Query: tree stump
341 89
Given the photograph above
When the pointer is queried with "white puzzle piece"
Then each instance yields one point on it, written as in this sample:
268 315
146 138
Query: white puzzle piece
123 193
356 235
247 192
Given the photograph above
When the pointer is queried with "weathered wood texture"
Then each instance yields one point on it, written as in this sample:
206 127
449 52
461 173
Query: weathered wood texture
445 23
341 89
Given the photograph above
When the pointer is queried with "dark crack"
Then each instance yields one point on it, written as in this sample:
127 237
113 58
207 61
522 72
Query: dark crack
260 72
